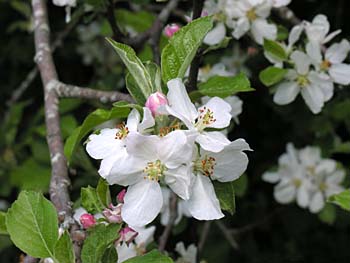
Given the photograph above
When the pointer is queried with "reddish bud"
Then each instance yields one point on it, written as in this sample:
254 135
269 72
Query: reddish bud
156 100
171 29
87 220
127 234
120 196
113 213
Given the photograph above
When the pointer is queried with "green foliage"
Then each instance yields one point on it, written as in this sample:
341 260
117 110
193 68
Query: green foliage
223 44
110 255
240 185
275 50
140 21
32 224
342 200
225 86
99 239
225 192
182 47
137 70
103 193
95 118
150 257
328 214
91 201
3 230
282 33
154 71
64 252
272 75
134 89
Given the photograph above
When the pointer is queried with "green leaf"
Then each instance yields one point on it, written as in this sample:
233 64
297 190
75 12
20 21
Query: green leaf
92 120
275 50
272 75
225 86
140 21
32 224
64 252
154 71
282 33
182 47
225 192
3 230
137 70
328 214
103 193
110 255
342 199
240 185
99 239
90 200
151 257
134 89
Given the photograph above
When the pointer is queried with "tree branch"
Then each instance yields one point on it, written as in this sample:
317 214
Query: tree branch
117 33
226 232
204 235
167 230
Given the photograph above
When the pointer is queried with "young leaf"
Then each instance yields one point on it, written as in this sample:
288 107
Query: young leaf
134 89
342 199
150 257
90 200
272 75
64 252
182 47
99 239
328 214
137 70
103 193
226 195
110 255
275 50
154 71
225 86
92 120
3 230
32 224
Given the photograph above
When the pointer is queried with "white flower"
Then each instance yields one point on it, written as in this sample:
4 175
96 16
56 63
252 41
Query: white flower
218 69
317 31
152 158
109 144
188 255
280 3
216 35
332 63
225 166
138 247
314 88
214 114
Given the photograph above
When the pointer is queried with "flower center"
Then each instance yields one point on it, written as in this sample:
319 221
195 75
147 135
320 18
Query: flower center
311 170
123 132
323 186
205 166
154 170
206 117
303 81
251 15
163 131
297 182
325 65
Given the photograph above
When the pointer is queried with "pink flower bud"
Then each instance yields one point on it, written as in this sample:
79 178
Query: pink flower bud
87 220
127 234
156 100
113 213
171 29
204 13
120 196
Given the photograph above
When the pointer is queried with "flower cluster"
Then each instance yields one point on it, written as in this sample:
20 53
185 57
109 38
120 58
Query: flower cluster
313 69
303 175
184 155
243 16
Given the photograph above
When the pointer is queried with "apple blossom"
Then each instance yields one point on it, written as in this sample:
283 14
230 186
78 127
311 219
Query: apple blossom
156 102
171 29
87 220
188 255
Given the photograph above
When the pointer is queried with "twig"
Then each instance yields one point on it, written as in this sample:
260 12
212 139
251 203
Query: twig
167 230
193 75
117 34
226 232
204 235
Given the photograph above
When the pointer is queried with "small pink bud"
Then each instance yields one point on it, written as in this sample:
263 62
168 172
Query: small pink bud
120 196
156 100
127 234
204 13
113 213
87 220
171 29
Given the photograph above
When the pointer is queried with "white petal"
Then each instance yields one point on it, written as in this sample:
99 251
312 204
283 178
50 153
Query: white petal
104 144
284 193
326 85
340 73
331 36
303 197
236 105
147 121
263 10
286 93
309 156
126 251
142 146
242 26
133 120
271 177
313 98
326 166
314 52
317 202
180 181
180 104
302 62
338 52
216 35
317 31
145 236
280 3
221 111
336 178
294 35
203 204
261 29
212 141
142 203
